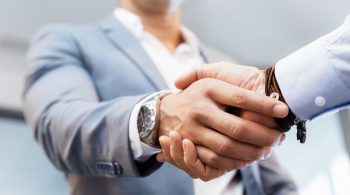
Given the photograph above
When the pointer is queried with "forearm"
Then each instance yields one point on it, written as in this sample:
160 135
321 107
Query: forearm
78 135
142 151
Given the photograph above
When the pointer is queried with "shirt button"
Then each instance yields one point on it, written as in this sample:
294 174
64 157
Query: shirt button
320 101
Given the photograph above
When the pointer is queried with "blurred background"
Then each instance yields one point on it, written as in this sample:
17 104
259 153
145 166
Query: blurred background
252 31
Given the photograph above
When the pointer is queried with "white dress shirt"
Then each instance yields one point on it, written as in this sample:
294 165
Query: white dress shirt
171 66
316 78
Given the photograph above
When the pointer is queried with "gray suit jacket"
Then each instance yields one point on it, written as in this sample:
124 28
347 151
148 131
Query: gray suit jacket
81 86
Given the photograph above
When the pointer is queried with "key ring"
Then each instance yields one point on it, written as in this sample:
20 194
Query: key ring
275 96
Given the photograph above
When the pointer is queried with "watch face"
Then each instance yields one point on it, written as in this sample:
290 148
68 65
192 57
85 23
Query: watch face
145 120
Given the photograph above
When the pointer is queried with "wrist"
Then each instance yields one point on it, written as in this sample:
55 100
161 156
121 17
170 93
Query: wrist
271 87
158 132
148 120
172 113
164 105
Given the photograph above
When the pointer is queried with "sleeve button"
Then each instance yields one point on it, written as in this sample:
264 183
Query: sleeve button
106 167
320 101
118 169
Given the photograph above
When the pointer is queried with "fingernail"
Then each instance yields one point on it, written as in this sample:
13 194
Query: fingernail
278 141
282 139
267 153
280 110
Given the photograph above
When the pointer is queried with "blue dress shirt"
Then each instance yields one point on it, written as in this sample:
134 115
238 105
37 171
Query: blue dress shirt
316 79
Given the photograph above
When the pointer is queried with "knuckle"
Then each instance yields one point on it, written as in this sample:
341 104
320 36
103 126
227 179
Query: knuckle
223 147
208 84
239 97
206 178
213 159
198 111
263 105
236 130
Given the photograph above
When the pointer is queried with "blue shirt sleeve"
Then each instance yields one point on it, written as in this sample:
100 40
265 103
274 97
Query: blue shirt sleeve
316 79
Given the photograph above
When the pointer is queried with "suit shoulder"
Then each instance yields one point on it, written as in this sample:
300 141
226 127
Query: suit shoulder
64 31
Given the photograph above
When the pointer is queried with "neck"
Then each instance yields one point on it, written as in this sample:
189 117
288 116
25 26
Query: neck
164 26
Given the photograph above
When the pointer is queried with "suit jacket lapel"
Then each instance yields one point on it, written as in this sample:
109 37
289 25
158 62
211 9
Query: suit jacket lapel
131 47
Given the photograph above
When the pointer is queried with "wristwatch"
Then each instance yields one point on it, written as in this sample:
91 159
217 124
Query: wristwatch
148 120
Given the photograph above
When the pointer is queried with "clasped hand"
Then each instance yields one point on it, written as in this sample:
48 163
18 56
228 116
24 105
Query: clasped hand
199 135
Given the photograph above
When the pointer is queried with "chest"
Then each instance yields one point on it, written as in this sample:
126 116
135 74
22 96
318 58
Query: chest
114 75
117 73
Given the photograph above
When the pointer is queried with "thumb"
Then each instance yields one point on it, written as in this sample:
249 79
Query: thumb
187 79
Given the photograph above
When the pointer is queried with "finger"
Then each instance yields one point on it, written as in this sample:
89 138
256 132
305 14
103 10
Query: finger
165 144
229 147
160 157
219 162
240 129
187 79
204 172
230 95
282 140
259 118
176 151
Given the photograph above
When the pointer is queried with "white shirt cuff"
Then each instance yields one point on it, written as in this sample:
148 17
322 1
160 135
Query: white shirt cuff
142 152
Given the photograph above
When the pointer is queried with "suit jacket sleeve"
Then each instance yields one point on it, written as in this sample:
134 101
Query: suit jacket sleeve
316 78
80 134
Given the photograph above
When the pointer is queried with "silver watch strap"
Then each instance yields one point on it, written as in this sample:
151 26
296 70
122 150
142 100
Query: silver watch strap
149 133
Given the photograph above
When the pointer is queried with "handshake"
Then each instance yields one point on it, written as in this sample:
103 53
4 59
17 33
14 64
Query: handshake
221 121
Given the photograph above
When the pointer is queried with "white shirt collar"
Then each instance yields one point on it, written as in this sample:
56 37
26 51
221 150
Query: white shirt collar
133 23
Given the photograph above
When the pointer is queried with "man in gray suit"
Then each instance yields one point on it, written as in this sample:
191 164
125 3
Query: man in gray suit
94 97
